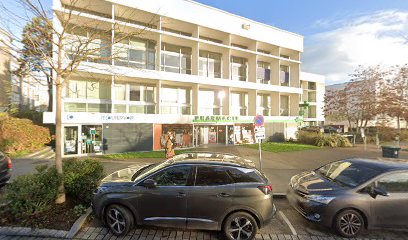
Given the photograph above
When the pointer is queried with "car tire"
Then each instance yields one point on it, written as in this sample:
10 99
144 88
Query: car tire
349 223
119 220
240 225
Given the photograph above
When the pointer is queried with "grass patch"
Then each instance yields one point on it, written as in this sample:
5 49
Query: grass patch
19 154
134 155
282 147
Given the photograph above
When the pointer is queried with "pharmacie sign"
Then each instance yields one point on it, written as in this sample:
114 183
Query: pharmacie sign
205 119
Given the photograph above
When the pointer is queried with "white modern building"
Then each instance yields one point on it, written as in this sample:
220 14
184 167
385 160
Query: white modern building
194 70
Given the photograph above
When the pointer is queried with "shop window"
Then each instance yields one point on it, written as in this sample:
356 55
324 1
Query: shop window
243 133
91 139
182 135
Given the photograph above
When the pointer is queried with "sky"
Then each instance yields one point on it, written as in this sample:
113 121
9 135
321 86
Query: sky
338 35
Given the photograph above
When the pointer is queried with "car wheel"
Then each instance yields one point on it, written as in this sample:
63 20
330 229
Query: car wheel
349 223
240 225
119 219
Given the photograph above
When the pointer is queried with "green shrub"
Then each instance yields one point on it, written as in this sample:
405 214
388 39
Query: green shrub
307 137
21 134
79 210
81 178
31 194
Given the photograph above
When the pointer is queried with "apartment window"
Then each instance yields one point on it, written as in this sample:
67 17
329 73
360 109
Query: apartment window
120 91
239 46
263 72
210 64
311 96
239 103
284 76
89 89
136 53
264 104
209 103
87 107
239 68
284 56
284 105
176 59
311 85
311 112
175 101
141 99
98 50
264 51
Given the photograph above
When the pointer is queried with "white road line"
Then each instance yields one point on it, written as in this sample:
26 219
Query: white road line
288 223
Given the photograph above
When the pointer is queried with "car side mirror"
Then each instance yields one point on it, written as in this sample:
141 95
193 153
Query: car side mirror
149 183
375 191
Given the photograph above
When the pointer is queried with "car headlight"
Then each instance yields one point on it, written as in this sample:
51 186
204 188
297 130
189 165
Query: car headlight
320 199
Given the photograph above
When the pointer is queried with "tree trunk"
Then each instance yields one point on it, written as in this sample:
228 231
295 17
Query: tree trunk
58 139
50 96
398 123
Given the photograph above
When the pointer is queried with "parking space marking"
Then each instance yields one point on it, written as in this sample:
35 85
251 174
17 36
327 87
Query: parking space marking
288 223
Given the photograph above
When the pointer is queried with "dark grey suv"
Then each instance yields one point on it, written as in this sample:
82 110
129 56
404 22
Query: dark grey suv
208 191
353 194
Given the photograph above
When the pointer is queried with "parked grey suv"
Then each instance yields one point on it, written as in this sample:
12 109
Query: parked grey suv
208 191
353 194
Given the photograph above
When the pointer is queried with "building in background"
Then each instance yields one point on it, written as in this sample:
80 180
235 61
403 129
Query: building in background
5 71
312 99
198 72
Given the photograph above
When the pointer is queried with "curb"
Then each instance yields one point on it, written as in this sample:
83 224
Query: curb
279 195
32 232
78 224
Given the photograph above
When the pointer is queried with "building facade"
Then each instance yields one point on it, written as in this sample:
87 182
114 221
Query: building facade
195 71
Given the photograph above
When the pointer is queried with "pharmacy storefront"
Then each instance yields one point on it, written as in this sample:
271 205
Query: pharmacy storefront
95 133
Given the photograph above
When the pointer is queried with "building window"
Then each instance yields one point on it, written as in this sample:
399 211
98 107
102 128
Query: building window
239 103
136 53
210 64
311 85
98 50
284 105
239 69
175 101
284 76
175 59
209 103
87 107
311 112
311 96
263 72
89 89
264 104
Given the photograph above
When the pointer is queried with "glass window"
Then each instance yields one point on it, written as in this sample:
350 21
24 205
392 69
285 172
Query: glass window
176 59
99 108
238 104
263 104
75 107
134 94
119 108
284 105
120 92
263 72
212 176
347 173
77 89
397 182
136 109
98 90
284 75
137 53
210 64
149 94
244 175
173 176
238 68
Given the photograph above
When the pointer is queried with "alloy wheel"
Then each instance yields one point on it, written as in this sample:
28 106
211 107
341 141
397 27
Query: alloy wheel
350 224
116 221
240 228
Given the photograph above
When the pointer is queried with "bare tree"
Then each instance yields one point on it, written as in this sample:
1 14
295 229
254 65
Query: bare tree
394 95
75 39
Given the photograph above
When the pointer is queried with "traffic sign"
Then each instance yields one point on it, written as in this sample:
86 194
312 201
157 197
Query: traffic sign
259 133
259 121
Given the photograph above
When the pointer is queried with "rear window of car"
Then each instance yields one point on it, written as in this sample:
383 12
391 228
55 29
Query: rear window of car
246 175
212 176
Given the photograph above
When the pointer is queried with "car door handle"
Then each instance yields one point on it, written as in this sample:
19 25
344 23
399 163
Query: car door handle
223 195
180 195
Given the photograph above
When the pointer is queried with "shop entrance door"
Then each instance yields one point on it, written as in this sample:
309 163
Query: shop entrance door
204 135
71 140
222 134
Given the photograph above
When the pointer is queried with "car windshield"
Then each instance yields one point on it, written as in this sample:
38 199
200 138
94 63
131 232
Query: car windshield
151 169
347 173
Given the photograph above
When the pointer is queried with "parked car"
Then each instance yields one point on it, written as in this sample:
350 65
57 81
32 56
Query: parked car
208 191
5 169
353 194
316 129
332 129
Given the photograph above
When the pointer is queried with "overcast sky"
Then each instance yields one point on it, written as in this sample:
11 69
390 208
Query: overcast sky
339 35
